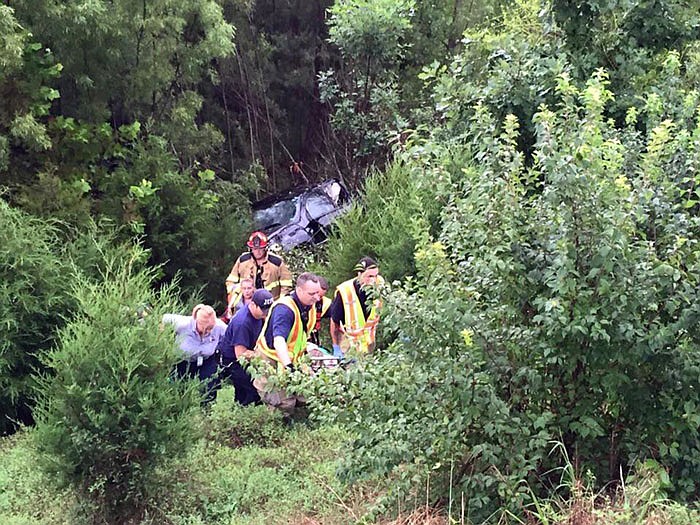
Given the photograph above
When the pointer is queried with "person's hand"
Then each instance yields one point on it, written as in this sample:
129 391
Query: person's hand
337 352
290 368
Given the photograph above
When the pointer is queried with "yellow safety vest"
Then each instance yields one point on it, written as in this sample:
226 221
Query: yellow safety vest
296 340
361 332
325 305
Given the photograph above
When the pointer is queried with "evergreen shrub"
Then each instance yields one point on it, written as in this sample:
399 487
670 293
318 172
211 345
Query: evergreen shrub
34 301
392 206
109 413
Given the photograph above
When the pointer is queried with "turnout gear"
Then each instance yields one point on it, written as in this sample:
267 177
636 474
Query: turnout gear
298 335
359 331
271 274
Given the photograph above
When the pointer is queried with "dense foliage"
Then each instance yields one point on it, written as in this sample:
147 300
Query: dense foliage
34 301
558 301
525 173
109 413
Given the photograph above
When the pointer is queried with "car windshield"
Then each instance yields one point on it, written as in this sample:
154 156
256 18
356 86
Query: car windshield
318 206
277 214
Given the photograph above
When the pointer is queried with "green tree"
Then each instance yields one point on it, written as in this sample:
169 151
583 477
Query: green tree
372 37
34 302
128 61
108 413
629 39
391 208
26 74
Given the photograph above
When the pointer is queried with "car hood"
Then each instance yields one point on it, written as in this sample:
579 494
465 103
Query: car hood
289 236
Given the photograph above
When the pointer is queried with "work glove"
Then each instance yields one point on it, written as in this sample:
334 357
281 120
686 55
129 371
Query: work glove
337 352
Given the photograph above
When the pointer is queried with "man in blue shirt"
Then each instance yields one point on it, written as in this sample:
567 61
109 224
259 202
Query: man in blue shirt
282 344
238 343
198 336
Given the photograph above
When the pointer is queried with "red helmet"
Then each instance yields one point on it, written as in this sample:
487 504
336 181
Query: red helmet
257 240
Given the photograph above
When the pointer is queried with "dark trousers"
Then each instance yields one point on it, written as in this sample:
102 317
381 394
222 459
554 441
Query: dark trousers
231 370
206 373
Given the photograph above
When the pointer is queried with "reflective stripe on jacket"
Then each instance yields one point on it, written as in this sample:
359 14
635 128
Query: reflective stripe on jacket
360 331
272 274
296 340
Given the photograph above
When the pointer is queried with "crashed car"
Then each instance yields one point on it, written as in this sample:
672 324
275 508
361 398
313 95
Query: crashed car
302 216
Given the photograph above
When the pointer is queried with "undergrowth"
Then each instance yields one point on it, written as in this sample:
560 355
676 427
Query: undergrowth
285 474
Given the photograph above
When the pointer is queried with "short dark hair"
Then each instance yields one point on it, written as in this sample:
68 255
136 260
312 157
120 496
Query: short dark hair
323 282
306 277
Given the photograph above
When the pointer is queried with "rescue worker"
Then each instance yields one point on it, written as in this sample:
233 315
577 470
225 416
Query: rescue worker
322 306
267 271
354 315
238 343
198 336
283 339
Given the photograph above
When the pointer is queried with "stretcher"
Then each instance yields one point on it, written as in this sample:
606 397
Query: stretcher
321 358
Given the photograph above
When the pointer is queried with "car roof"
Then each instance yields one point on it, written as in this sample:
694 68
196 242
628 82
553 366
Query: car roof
265 202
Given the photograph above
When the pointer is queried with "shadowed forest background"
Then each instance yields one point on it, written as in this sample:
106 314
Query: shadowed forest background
525 172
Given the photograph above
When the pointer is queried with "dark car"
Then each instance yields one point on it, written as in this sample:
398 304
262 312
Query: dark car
301 216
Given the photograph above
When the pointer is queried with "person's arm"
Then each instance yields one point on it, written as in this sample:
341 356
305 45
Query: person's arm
280 344
226 342
285 279
282 322
337 314
337 337
244 352
243 342
233 284
178 322
336 333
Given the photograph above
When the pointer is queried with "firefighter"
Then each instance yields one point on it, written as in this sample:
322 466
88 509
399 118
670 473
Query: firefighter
354 314
268 271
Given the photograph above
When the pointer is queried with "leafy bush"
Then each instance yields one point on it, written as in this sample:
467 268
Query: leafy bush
560 302
108 413
34 301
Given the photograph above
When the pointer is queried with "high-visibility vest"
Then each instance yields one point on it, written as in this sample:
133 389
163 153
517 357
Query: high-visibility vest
298 335
321 308
361 332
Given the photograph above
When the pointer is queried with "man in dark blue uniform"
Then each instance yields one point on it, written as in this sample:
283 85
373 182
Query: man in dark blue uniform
239 342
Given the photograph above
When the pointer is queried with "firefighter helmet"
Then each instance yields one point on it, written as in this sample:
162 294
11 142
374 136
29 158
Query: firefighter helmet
257 240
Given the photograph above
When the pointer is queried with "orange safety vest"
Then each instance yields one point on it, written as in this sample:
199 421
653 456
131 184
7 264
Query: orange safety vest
296 340
361 332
